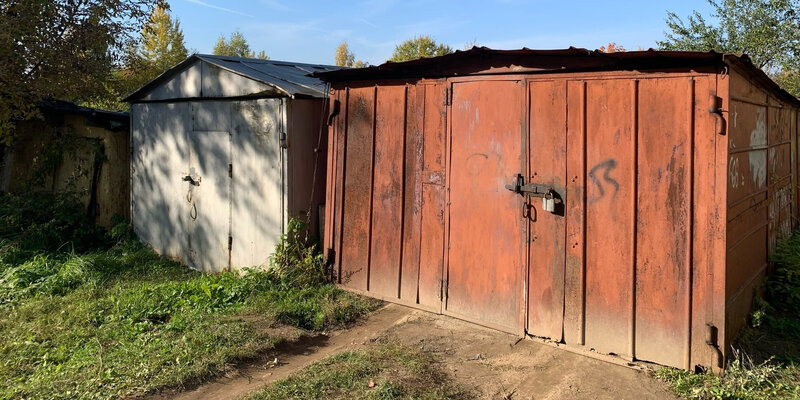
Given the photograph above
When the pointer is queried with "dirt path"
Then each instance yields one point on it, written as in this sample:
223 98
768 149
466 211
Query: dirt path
292 356
506 368
509 368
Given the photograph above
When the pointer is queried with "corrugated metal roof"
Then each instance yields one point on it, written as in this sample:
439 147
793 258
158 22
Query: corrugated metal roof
483 60
293 79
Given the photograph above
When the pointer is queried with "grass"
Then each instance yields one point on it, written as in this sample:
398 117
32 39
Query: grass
102 316
767 353
383 371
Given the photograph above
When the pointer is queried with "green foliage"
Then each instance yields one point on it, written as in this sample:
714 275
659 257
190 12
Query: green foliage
105 317
772 337
37 222
162 42
236 46
743 379
296 260
62 49
418 47
160 47
766 30
345 58
783 284
397 372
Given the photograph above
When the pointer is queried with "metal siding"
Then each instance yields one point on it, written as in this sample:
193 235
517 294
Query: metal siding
656 243
486 232
548 154
307 165
356 224
208 217
217 82
387 191
610 214
431 264
412 196
181 85
256 185
663 219
761 196
709 227
574 282
159 144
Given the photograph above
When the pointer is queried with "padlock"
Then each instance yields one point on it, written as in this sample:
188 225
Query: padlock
549 202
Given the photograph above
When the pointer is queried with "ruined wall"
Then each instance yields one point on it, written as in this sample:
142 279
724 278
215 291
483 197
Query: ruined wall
87 154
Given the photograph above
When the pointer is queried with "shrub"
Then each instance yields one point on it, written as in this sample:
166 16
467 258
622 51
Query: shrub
41 221
783 285
296 260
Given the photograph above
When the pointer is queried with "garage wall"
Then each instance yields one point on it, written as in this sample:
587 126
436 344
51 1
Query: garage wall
160 206
385 198
761 189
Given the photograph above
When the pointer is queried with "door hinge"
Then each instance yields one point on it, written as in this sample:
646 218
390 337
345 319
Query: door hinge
230 170
716 110
448 96
230 242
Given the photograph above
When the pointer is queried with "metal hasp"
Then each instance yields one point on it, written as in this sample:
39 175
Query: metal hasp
530 189
549 195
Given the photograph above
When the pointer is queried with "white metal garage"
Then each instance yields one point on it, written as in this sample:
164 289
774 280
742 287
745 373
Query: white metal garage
223 153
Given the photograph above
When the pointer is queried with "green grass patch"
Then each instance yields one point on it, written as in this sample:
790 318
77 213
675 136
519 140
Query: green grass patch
384 371
114 320
767 356
743 379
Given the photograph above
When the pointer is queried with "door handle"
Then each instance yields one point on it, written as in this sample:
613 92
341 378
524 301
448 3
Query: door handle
188 178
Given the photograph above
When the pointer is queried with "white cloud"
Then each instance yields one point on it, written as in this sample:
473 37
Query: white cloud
228 10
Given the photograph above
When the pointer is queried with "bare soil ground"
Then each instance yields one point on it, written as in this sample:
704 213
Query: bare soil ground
495 364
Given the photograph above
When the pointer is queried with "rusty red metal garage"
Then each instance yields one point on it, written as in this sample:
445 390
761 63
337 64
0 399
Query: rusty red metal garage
622 203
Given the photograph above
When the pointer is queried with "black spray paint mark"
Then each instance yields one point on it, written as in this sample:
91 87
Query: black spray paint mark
607 166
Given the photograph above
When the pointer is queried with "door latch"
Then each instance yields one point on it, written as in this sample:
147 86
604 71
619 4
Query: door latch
549 196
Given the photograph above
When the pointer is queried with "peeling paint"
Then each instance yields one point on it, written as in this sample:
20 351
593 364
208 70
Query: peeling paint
758 159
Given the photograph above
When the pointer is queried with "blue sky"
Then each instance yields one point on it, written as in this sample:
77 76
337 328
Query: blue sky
310 30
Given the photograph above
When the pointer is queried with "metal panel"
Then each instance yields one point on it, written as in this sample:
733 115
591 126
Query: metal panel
387 191
547 149
306 163
356 221
159 143
256 186
412 201
663 271
708 235
208 221
610 214
574 281
431 264
486 233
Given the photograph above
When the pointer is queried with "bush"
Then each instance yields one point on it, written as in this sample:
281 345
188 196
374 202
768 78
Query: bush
40 221
783 285
296 260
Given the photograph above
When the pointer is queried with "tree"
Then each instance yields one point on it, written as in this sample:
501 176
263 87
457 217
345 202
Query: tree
612 48
345 58
236 46
160 47
766 30
418 47
163 44
62 49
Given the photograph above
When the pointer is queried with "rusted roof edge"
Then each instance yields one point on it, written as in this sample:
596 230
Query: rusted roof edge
477 61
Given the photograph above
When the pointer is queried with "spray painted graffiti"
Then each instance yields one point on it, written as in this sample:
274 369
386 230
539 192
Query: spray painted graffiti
607 166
